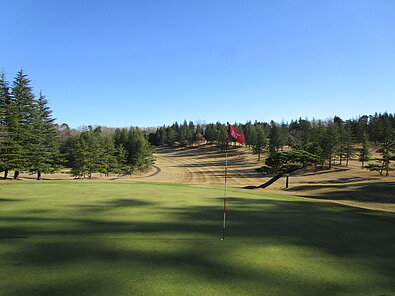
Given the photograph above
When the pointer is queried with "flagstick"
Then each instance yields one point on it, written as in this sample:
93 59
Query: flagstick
226 175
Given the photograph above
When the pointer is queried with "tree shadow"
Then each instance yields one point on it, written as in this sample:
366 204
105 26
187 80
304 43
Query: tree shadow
342 180
318 172
11 199
377 192
113 204
252 222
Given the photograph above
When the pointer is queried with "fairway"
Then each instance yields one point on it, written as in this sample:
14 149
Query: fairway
126 238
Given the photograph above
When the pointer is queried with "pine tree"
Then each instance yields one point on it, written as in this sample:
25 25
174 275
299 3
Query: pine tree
364 154
88 153
109 162
140 155
190 133
348 144
198 135
5 119
210 133
44 151
274 138
21 125
183 134
171 136
339 124
330 142
67 138
222 135
250 134
260 141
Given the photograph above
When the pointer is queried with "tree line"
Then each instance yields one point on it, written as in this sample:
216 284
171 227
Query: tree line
332 140
30 141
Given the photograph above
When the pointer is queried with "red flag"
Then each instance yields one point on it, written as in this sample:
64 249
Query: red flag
235 134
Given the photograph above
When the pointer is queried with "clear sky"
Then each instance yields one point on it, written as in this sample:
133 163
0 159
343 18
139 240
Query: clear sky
148 63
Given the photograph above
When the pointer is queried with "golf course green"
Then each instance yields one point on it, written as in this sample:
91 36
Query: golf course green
126 238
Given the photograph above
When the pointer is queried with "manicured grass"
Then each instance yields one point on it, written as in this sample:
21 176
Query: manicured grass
109 238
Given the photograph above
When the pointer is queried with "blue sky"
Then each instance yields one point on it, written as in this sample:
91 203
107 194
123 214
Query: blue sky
149 63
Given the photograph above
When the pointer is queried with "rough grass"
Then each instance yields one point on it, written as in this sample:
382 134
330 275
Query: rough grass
108 238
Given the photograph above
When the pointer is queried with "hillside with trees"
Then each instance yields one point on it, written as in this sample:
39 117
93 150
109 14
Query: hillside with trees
30 141
330 141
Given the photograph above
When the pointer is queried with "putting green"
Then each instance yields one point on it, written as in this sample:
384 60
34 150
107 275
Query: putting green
121 238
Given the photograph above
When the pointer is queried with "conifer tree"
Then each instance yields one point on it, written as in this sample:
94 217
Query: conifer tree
21 127
260 141
140 155
183 134
6 112
330 142
348 144
109 162
274 138
198 134
88 152
364 154
171 136
44 152
222 135
210 133
250 134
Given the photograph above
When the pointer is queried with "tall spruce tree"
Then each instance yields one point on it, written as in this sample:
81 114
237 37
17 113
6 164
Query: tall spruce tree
44 150
6 111
21 126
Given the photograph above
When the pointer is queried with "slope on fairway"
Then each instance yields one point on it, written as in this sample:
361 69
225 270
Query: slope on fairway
108 238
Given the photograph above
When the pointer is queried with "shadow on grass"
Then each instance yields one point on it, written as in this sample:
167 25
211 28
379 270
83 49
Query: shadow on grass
326 171
63 287
343 180
378 192
252 222
113 204
10 199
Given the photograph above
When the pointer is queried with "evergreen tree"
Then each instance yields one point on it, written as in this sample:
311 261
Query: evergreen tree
6 118
330 142
275 140
364 154
210 133
171 136
44 153
348 144
140 155
222 135
190 133
250 134
183 134
110 160
21 127
67 138
88 152
339 124
260 141
285 162
198 135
